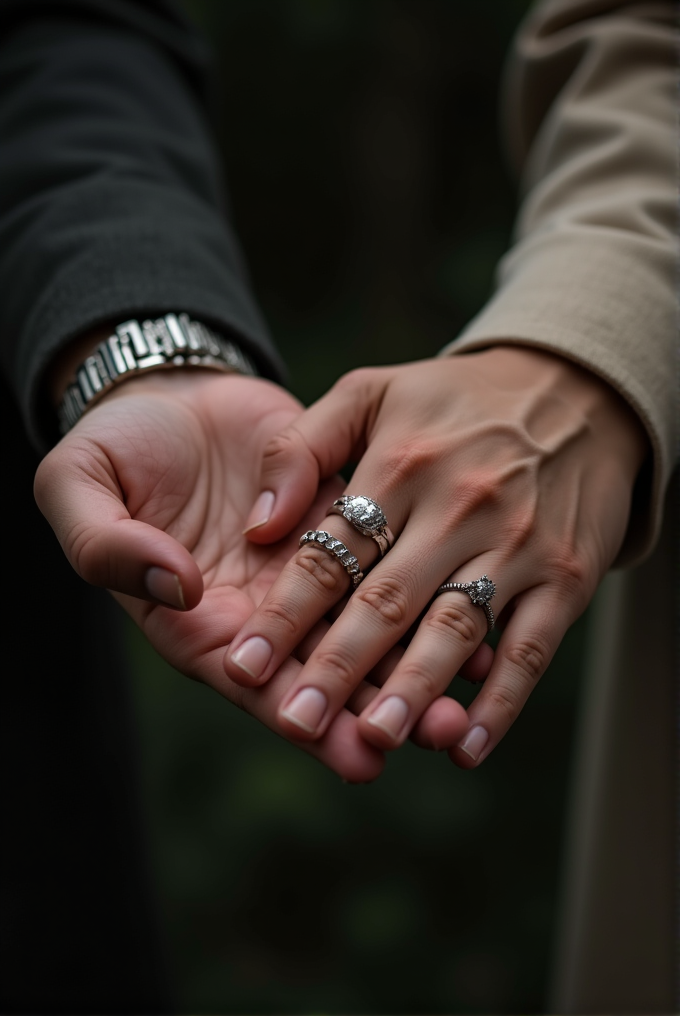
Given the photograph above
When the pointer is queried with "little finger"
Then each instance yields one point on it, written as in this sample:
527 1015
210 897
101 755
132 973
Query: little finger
449 633
527 646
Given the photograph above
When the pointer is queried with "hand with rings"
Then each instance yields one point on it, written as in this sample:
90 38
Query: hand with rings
506 475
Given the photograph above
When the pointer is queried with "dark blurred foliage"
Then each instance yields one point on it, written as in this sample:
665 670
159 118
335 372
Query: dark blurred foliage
369 189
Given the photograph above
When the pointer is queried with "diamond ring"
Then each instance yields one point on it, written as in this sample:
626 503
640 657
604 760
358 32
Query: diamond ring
367 517
338 550
480 592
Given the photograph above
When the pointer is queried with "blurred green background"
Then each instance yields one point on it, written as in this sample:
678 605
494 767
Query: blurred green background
369 189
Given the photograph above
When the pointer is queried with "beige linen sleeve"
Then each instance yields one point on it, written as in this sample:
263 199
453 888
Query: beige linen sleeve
590 110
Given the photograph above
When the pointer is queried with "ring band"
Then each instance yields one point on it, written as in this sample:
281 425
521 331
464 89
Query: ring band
480 592
366 516
337 549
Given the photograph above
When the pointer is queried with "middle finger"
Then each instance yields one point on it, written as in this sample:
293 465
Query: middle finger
317 577
379 613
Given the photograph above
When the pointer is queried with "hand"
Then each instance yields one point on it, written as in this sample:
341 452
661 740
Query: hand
148 496
512 463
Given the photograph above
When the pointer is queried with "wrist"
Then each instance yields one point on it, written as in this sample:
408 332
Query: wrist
103 359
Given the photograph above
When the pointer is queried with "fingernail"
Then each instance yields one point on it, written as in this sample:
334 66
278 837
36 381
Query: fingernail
474 741
261 512
306 709
390 716
253 656
165 586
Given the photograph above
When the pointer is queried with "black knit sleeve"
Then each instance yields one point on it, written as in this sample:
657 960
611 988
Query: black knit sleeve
111 202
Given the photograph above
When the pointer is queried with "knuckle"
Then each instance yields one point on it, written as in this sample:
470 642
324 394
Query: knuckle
280 449
340 663
452 618
427 687
507 702
530 656
83 551
327 573
480 490
386 599
356 380
409 459
569 570
470 495
520 529
279 617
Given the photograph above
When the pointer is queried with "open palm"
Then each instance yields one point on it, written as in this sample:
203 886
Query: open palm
161 474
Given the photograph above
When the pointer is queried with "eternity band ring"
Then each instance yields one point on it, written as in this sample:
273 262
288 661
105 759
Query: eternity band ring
338 550
367 517
480 592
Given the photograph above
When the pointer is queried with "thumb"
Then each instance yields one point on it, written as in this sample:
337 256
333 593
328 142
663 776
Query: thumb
107 547
314 447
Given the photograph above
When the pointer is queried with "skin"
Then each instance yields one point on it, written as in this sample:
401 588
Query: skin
148 495
511 462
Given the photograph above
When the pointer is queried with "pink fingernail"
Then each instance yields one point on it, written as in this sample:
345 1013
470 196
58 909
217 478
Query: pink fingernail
390 716
261 512
253 656
474 742
165 586
307 709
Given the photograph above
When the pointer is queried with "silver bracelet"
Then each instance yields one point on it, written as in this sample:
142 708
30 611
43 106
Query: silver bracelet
173 340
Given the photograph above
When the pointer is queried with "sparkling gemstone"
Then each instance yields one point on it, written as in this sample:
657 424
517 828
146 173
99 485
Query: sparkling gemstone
365 512
482 589
332 543
321 537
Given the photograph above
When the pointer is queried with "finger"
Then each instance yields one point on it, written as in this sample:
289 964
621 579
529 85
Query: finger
108 548
442 724
449 633
342 748
476 668
317 445
527 645
312 582
378 614
445 721
194 644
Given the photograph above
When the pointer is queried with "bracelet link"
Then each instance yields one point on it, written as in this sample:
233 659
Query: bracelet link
174 340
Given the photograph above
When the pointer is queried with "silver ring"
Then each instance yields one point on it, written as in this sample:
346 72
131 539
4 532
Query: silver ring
480 592
366 516
337 549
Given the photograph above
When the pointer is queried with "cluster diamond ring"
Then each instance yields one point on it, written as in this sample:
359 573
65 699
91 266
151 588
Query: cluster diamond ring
367 517
480 592
338 550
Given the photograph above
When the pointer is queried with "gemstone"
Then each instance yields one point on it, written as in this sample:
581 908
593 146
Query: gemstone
365 512
481 590
332 543
321 536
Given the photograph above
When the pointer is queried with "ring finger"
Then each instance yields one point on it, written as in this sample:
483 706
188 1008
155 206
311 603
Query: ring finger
449 633
328 564
376 617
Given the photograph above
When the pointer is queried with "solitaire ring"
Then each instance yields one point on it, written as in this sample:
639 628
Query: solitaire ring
338 550
480 592
367 517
